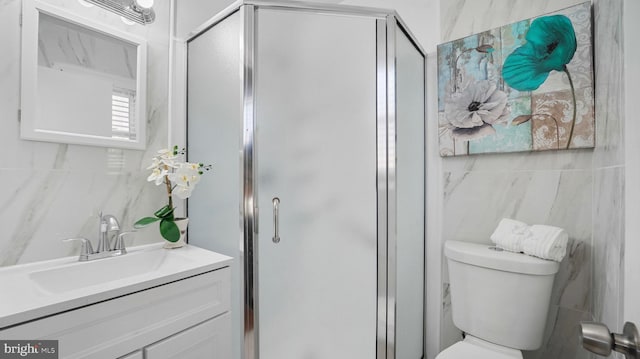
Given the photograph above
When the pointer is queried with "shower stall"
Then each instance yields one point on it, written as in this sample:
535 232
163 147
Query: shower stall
313 118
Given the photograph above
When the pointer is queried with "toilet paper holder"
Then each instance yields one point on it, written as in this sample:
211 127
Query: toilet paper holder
596 338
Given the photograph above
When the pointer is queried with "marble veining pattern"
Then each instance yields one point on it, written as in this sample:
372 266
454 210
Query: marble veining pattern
609 84
525 161
55 191
608 231
609 170
475 201
450 334
561 339
461 18
572 283
581 190
62 44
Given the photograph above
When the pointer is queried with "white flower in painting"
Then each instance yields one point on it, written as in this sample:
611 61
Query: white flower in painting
472 113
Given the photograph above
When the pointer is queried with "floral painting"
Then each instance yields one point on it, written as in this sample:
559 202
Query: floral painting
527 86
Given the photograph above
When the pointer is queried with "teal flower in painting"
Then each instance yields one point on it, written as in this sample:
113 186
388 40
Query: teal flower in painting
551 44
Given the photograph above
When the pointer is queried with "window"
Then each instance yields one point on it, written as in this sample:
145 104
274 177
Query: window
123 121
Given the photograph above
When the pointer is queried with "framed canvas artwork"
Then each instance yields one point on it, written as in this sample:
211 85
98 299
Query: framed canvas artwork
527 86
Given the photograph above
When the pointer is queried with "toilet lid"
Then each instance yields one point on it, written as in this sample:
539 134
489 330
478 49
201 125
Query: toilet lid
478 349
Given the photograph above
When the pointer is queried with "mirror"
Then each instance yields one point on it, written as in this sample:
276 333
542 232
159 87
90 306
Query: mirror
82 82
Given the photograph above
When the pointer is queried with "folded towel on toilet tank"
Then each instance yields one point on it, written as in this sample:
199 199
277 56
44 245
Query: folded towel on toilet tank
510 234
542 241
546 242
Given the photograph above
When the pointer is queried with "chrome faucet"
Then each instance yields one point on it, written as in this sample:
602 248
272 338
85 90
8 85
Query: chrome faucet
108 223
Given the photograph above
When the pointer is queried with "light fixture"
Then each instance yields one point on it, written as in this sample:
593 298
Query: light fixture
84 3
145 4
139 11
127 21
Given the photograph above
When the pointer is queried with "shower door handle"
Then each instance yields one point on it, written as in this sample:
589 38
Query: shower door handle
276 220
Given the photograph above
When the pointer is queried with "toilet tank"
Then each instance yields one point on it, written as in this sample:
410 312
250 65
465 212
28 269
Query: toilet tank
499 296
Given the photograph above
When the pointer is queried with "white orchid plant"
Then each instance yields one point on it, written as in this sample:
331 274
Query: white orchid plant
180 179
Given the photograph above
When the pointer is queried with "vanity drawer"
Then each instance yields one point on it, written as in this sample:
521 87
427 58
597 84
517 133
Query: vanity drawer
135 355
211 340
119 326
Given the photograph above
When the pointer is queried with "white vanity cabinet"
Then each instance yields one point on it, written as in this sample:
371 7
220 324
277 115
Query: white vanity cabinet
185 318
207 340
135 355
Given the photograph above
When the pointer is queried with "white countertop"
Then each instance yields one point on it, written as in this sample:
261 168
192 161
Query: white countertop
32 290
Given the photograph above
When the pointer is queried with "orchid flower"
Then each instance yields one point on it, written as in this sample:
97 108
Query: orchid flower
180 179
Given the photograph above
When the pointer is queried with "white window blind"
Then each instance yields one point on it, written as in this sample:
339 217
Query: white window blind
123 122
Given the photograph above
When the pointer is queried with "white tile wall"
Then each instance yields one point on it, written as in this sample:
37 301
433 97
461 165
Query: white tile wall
581 191
54 191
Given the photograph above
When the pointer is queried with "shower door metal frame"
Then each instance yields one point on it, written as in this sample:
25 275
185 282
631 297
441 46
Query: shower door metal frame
391 238
249 204
387 23
382 184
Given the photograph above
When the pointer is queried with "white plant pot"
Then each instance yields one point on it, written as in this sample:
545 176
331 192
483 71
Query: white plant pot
182 224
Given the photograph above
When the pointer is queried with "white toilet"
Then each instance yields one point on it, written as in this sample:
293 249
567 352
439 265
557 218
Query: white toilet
498 298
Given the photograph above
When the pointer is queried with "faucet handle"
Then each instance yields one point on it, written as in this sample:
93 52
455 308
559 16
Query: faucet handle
85 250
119 242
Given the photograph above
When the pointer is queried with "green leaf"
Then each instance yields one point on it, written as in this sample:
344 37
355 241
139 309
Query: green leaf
143 222
165 212
169 230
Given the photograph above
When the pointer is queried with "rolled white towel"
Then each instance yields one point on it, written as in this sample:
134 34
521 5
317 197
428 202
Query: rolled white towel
546 242
510 235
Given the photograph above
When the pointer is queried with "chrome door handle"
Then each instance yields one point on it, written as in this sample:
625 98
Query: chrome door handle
276 220
597 338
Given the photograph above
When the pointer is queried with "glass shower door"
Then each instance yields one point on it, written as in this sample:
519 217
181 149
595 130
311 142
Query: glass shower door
316 185
410 211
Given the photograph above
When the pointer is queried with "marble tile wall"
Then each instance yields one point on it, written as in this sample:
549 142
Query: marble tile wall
580 190
609 168
54 191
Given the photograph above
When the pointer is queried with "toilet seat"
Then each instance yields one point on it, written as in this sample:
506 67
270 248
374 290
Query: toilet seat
472 347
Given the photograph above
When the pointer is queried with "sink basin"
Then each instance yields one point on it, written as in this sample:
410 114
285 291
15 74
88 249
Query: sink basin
98 272
34 290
